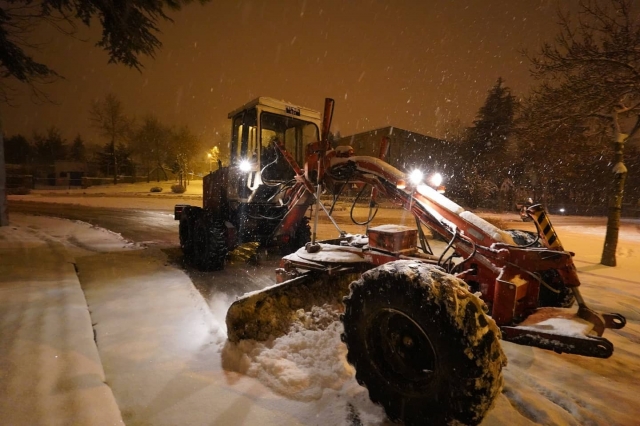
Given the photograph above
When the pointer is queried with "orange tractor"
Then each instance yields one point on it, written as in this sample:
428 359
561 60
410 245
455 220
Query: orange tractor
422 327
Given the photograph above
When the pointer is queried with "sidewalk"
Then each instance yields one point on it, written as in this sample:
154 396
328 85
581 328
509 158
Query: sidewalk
158 341
50 370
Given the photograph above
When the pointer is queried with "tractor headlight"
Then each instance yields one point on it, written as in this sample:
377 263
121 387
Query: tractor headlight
244 166
416 176
436 180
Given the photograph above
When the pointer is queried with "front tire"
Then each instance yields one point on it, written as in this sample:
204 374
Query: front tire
184 231
210 245
422 345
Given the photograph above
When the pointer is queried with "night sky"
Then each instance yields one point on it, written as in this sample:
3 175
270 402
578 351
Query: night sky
418 65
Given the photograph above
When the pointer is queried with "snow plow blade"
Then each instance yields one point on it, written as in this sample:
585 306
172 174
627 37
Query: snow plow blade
560 330
268 313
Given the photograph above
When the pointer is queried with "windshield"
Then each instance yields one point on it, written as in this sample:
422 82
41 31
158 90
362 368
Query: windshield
294 133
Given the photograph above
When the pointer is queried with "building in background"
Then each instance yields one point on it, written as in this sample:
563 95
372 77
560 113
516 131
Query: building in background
407 150
69 173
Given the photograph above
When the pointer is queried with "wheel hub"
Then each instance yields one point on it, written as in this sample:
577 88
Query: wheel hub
401 350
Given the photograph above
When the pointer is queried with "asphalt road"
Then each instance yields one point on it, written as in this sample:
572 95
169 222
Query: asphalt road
159 231
138 225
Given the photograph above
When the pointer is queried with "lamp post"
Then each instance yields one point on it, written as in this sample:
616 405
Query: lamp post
210 160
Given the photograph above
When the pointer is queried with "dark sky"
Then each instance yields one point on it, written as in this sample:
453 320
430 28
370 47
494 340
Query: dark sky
418 65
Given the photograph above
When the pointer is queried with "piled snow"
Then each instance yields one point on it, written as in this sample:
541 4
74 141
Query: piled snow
439 199
308 364
494 232
300 365
330 253
359 240
390 228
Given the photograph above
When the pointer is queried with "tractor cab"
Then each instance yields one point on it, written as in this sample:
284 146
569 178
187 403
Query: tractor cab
254 200
255 129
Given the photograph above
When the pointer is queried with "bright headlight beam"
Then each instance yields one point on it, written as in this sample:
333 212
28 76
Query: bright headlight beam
436 179
416 176
244 166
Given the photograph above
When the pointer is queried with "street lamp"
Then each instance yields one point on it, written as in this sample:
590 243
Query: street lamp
214 155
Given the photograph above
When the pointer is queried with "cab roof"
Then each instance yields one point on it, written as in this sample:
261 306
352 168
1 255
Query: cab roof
285 107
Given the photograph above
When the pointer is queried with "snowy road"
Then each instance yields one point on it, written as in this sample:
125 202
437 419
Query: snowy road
165 354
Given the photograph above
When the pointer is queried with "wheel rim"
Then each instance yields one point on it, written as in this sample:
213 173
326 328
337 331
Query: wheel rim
401 351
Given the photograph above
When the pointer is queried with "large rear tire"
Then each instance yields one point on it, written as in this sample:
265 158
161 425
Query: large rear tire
422 345
210 248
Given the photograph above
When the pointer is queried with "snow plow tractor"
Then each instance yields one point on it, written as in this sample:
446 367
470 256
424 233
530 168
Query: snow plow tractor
254 200
422 327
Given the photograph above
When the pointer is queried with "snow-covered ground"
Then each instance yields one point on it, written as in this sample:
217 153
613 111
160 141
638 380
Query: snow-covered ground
166 361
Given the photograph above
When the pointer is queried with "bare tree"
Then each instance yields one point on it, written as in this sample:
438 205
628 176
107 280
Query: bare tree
150 142
185 147
590 77
108 117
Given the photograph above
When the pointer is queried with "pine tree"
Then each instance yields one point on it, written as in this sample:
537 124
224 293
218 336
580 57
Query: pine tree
485 150
78 151
51 147
17 150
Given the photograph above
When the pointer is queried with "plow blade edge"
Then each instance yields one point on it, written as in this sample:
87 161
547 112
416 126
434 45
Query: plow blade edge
268 313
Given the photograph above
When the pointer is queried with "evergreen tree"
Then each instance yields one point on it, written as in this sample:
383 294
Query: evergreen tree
489 138
78 151
17 150
486 149
49 148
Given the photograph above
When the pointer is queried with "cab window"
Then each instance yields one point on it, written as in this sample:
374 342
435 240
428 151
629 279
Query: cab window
295 134
244 136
